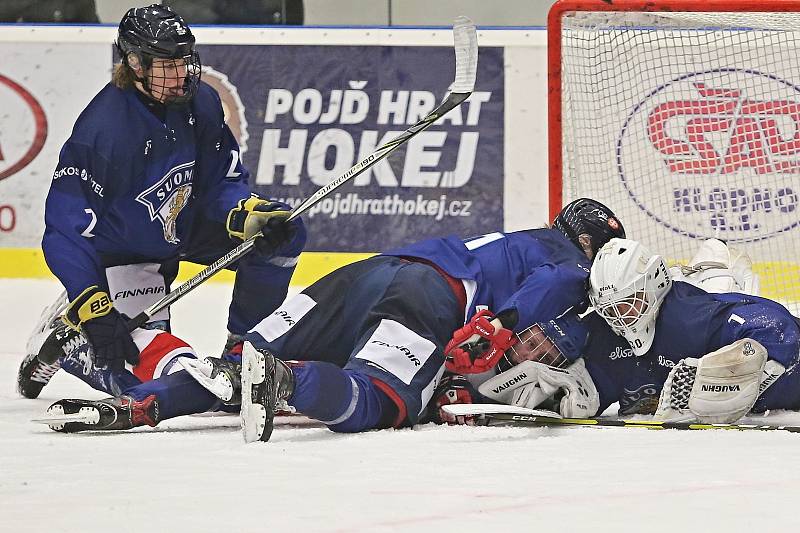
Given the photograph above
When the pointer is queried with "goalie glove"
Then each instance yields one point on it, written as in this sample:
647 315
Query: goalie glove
479 345
267 220
106 330
720 387
529 383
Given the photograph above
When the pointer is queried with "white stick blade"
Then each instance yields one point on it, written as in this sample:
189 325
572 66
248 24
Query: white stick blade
466 409
465 38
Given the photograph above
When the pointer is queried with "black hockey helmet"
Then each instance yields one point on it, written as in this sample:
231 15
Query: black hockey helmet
157 32
585 216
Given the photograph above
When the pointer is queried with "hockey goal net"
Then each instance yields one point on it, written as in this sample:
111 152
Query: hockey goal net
684 118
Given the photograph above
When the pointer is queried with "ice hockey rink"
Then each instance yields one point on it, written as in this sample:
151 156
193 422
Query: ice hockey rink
196 474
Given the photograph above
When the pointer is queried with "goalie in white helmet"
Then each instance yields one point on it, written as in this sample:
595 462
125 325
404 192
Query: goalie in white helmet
582 364
628 285
715 354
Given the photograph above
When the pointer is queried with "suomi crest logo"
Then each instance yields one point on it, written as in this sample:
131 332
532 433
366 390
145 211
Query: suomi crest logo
167 197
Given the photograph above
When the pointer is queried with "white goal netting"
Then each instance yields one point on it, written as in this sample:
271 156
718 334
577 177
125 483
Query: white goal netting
687 125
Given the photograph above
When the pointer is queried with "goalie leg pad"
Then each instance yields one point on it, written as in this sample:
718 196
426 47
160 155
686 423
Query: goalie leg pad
719 268
518 385
529 383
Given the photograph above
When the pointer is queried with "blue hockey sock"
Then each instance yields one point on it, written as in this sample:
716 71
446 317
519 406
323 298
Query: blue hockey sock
345 400
111 382
178 394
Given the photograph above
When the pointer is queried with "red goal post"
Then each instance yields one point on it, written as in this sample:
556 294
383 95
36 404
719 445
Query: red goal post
684 117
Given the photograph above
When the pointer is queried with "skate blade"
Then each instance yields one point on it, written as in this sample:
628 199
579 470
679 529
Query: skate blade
254 421
253 364
63 419
57 418
253 415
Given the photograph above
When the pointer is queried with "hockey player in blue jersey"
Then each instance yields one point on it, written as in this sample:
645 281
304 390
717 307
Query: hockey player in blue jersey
667 346
151 176
363 347
718 356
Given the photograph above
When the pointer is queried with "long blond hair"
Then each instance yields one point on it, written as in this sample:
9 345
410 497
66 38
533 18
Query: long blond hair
123 76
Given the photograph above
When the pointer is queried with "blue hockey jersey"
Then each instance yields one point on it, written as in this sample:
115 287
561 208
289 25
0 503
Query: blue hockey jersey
692 323
128 185
539 273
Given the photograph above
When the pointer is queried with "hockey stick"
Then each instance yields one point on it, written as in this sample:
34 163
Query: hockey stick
508 419
465 39
492 414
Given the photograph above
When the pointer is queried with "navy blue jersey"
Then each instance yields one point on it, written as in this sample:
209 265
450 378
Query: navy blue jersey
614 368
693 323
129 185
539 273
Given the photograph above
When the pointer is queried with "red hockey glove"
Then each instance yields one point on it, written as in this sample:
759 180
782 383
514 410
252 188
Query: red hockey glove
453 388
478 346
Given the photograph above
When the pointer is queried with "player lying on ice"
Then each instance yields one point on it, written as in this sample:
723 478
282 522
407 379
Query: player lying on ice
363 347
151 176
672 347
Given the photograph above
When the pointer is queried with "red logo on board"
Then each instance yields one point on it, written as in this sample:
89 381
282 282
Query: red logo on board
24 127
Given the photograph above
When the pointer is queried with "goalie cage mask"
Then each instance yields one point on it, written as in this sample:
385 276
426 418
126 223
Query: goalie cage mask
158 33
627 285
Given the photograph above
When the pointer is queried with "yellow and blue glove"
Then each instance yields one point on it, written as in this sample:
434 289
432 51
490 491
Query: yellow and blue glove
267 220
93 314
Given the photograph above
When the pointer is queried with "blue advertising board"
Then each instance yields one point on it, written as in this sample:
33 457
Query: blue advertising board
306 114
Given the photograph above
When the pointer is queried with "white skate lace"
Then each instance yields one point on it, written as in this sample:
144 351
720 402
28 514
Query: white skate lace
44 372
283 408
682 384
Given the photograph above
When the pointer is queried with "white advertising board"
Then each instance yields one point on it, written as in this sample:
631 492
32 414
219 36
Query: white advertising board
43 88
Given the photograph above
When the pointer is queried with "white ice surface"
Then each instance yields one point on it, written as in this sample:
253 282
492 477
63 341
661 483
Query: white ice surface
195 474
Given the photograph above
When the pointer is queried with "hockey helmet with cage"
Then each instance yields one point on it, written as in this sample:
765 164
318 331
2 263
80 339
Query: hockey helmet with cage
558 342
157 32
586 219
627 285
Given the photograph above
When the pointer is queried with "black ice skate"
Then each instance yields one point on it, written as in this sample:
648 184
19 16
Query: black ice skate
233 344
222 377
36 370
266 381
33 375
109 414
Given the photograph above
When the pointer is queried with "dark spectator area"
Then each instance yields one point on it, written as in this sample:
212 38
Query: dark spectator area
245 12
48 11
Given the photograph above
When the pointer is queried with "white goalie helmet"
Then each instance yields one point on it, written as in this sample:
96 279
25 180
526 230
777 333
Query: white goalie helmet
627 285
